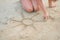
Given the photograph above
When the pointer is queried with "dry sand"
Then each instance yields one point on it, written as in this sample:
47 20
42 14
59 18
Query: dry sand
16 24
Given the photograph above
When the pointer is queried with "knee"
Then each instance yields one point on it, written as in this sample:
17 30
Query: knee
30 10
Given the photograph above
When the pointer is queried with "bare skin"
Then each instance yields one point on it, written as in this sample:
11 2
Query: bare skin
27 5
43 8
35 5
52 3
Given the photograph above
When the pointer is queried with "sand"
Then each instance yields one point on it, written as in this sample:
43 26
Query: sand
17 24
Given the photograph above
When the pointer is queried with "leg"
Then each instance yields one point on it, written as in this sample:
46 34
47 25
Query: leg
52 3
35 6
27 5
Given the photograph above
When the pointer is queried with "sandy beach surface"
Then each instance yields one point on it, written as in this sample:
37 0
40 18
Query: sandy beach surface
17 24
